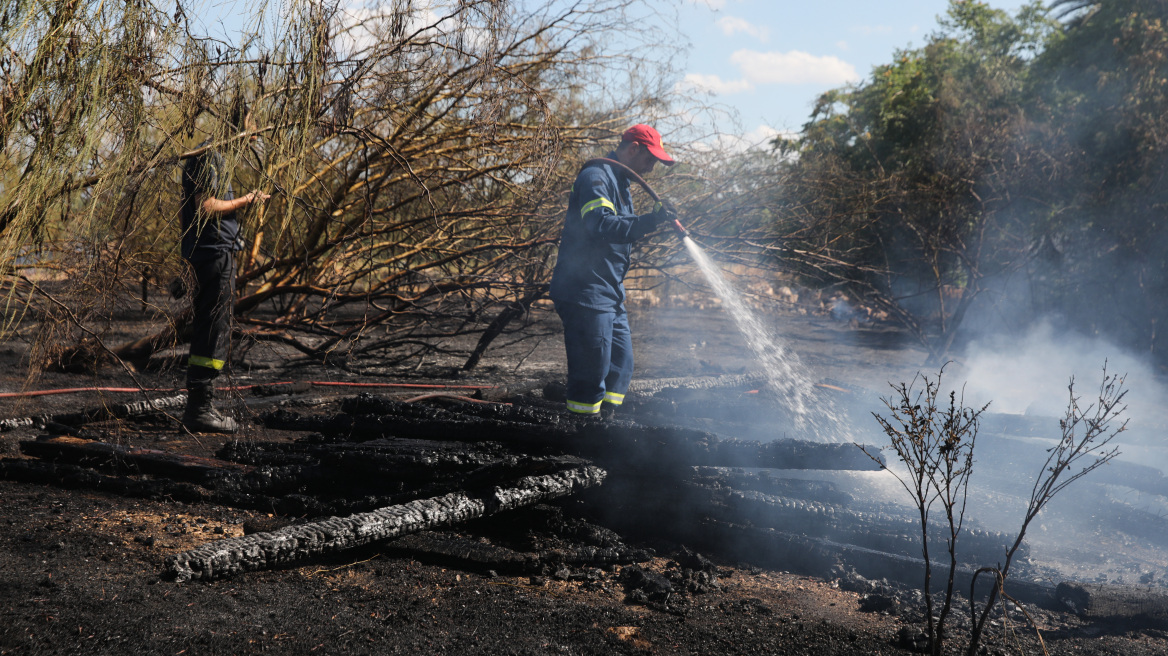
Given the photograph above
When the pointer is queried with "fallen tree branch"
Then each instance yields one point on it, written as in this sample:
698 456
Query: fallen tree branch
294 543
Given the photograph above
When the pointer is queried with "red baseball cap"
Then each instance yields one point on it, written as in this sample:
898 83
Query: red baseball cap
649 138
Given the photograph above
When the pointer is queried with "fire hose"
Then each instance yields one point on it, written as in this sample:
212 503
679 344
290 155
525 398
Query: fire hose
681 231
240 388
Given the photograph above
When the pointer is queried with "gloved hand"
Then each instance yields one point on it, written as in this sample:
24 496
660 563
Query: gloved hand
663 212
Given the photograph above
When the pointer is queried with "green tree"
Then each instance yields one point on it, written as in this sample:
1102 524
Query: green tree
902 186
1103 95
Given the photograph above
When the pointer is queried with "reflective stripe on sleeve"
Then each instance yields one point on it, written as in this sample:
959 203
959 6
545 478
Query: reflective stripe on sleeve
584 408
203 361
614 398
599 202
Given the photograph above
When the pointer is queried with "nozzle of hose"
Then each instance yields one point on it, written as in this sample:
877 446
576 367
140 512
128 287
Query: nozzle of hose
681 231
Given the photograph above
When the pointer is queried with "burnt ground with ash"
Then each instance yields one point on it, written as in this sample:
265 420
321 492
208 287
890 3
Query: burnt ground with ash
86 569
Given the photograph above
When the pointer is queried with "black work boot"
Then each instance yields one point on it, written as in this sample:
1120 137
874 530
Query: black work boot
201 415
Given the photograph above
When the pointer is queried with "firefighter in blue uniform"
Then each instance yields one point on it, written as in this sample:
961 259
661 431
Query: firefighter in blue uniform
210 236
588 282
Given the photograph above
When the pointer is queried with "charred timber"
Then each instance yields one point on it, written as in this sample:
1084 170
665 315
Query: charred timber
395 466
143 408
616 443
763 481
150 461
335 483
114 411
453 550
1128 605
296 543
769 547
71 476
882 531
388 454
1021 454
678 510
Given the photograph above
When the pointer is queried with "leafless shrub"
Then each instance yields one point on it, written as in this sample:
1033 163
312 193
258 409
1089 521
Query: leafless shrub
936 443
1084 445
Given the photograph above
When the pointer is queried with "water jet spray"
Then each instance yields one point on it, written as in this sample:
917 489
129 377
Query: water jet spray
787 376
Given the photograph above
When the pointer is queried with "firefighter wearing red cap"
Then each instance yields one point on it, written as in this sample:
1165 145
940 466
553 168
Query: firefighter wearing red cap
588 281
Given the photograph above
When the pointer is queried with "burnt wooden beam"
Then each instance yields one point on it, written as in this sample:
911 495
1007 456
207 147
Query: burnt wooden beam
141 408
615 443
454 550
816 556
1123 604
678 510
296 543
151 461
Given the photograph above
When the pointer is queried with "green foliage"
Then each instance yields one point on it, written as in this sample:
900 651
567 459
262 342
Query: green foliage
906 178
1011 155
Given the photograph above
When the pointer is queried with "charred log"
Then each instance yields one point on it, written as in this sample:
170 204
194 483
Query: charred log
141 408
679 511
295 543
769 547
454 550
390 454
879 530
616 443
85 452
77 477
1127 605
763 481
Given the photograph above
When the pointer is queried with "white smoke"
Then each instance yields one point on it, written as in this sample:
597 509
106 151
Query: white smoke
1029 375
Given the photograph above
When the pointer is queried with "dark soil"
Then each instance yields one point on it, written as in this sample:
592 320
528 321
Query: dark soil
81 572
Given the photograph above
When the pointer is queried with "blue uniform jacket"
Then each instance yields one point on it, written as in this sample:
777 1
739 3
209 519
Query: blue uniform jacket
206 174
597 241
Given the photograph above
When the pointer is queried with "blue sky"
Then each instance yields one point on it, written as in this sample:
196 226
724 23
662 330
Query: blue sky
770 59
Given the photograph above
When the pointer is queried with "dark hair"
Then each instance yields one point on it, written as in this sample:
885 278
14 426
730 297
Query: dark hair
237 116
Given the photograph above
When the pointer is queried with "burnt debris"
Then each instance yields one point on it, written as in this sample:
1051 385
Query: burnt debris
679 469
302 541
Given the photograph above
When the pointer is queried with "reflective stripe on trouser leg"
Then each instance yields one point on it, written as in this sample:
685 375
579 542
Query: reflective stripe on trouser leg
211 306
590 347
584 408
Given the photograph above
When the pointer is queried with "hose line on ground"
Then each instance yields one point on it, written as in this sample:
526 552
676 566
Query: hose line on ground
238 388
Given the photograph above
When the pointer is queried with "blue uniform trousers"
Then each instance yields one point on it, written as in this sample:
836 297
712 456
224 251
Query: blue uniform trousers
600 356
211 306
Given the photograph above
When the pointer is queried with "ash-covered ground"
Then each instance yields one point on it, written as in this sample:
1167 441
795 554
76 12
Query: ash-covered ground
84 571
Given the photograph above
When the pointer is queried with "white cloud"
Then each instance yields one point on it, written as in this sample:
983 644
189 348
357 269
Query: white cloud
760 137
714 84
760 68
709 4
842 45
732 25
794 67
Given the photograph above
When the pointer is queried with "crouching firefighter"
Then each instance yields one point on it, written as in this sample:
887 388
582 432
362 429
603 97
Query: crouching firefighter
588 281
210 234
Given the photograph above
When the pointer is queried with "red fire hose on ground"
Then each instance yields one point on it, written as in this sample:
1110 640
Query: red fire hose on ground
641 181
238 388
